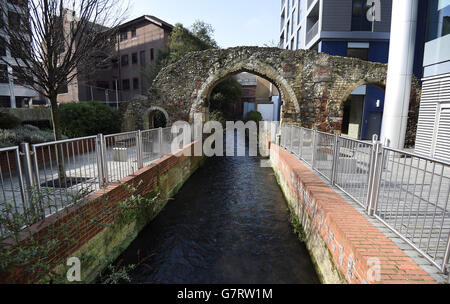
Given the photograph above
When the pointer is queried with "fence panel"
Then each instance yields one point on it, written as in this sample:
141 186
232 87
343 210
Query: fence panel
121 155
151 145
12 187
413 200
307 146
324 154
353 168
64 172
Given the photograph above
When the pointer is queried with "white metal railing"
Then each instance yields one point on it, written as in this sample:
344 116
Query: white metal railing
51 176
407 192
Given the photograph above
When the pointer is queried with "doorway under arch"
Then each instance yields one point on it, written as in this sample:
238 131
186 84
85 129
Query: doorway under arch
362 112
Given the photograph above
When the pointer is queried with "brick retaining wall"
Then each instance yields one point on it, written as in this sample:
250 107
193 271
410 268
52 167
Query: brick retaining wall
343 244
105 243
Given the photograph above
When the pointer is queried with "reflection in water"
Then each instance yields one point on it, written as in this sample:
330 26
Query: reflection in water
228 224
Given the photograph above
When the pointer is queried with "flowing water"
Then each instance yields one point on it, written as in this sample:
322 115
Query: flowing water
229 224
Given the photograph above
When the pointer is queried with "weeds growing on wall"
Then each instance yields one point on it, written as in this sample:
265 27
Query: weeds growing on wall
30 257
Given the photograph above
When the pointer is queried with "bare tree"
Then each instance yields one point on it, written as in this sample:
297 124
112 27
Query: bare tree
51 42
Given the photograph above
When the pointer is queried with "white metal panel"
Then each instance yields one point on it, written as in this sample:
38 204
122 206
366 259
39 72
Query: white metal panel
427 117
442 149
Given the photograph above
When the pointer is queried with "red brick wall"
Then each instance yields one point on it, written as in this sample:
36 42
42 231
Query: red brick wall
101 206
353 242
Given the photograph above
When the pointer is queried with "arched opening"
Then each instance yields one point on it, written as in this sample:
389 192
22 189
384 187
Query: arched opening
244 96
156 117
289 108
362 112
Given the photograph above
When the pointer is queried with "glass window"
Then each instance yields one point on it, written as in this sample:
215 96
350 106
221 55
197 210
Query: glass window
3 73
124 60
134 58
136 83
126 84
2 47
438 19
123 36
359 16
133 33
152 54
362 54
142 55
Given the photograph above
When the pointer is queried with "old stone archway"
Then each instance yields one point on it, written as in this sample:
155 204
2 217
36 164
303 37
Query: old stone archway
149 116
313 85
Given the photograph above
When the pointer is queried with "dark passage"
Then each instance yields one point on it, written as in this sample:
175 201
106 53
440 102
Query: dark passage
228 224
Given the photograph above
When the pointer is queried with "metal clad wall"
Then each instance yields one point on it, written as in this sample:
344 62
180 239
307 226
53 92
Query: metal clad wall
427 117
337 15
443 137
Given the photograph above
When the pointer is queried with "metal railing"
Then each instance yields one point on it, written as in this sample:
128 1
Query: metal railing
407 192
51 176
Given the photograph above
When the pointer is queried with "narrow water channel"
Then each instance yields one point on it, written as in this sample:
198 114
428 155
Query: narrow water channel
229 224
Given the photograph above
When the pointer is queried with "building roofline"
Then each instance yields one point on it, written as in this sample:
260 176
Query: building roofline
148 18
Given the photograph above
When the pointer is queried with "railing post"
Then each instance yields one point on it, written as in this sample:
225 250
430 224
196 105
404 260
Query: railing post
336 155
102 166
446 261
26 156
314 143
374 182
300 143
139 151
160 136
28 169
291 145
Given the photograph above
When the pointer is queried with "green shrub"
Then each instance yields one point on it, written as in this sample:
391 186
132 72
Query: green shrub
8 121
218 116
26 133
254 116
86 119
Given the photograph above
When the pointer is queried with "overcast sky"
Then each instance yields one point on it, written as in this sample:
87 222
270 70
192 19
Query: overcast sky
236 22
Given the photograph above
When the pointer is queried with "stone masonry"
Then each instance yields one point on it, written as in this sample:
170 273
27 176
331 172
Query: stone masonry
313 85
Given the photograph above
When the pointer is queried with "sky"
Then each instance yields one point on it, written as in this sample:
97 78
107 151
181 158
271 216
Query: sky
236 22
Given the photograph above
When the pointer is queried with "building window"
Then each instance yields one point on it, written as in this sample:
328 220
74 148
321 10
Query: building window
126 84
21 78
359 16
124 60
102 85
299 39
133 33
2 47
439 19
63 89
123 36
142 55
14 20
134 58
136 83
152 54
362 54
5 102
4 73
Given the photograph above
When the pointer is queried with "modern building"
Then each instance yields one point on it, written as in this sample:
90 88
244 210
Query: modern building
350 28
138 43
258 94
13 91
433 132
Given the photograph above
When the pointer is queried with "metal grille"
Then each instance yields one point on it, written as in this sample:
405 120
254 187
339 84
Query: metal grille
413 200
46 178
407 192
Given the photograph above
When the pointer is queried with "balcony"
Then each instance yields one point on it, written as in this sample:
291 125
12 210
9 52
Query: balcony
313 31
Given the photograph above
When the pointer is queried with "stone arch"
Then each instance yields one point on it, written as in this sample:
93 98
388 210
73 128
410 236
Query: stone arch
251 66
154 110
312 84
